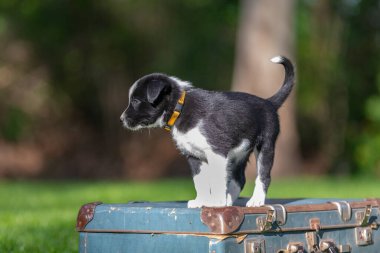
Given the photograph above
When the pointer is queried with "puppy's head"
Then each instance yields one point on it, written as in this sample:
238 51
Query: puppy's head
150 98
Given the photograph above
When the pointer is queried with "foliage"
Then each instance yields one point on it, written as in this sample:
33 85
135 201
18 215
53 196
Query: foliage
81 56
14 123
338 59
40 216
91 52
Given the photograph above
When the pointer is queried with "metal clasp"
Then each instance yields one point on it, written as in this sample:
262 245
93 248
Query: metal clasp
254 246
276 214
265 223
328 246
324 245
363 236
315 224
345 248
295 247
344 210
363 216
312 241
279 214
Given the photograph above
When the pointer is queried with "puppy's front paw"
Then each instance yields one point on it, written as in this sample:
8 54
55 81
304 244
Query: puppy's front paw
255 202
218 203
194 204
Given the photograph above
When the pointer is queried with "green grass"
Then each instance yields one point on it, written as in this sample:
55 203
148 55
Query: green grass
40 216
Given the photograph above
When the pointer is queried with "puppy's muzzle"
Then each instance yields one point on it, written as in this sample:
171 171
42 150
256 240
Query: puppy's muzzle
125 120
122 118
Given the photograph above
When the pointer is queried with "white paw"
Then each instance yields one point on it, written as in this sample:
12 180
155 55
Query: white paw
217 203
194 204
230 202
214 203
255 202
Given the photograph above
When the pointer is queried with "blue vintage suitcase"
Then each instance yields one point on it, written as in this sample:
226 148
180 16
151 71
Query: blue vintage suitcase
303 225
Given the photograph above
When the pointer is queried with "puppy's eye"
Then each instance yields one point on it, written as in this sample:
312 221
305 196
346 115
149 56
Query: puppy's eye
135 102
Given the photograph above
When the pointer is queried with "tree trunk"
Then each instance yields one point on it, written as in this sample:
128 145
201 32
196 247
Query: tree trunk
266 30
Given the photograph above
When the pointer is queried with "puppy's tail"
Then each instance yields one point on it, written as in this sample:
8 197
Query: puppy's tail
281 95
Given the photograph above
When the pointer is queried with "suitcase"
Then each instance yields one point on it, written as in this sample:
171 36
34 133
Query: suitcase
282 226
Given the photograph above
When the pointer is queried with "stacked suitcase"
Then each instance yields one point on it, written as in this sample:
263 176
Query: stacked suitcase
287 226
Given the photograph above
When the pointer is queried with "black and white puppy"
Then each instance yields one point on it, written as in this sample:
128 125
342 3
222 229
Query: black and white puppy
216 131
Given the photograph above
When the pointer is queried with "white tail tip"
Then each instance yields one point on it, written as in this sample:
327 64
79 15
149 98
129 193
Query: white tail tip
277 59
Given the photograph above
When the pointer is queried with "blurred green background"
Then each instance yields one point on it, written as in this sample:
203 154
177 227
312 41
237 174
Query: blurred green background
65 70
66 66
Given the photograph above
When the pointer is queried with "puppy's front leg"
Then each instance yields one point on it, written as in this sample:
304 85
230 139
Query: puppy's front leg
210 181
200 183
218 179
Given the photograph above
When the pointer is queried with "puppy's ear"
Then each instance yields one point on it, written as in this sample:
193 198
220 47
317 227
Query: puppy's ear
156 91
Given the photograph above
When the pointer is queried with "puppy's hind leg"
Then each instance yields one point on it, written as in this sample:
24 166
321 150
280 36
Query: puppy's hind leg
237 181
233 192
264 163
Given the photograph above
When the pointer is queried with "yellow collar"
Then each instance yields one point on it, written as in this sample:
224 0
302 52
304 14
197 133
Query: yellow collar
176 113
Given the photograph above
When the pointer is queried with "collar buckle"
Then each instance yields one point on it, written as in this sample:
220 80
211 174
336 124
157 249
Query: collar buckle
176 113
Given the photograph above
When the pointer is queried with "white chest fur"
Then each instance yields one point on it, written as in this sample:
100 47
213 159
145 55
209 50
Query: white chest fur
192 142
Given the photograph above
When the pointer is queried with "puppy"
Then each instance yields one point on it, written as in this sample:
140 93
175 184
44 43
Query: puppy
216 131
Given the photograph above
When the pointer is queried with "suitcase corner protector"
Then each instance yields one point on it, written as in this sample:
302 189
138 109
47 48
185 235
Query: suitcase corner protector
222 220
86 214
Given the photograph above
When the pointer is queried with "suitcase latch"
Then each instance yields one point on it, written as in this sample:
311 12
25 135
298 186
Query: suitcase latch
363 236
328 247
265 223
324 245
275 215
312 241
315 224
254 246
362 217
293 247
